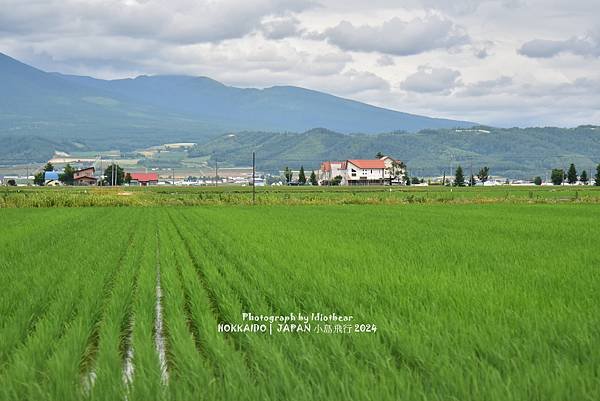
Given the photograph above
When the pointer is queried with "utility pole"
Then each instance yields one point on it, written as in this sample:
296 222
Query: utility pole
27 174
216 170
253 178
172 176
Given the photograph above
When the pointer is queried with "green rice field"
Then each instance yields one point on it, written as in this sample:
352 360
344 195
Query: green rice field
449 300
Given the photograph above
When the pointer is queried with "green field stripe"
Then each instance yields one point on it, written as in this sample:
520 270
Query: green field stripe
104 378
147 377
189 372
228 363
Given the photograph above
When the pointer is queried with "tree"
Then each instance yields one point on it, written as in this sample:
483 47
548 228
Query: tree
128 178
557 177
584 177
459 177
313 178
11 183
49 167
301 176
288 174
337 180
108 174
415 180
537 180
472 181
396 170
38 179
597 177
484 174
572 174
66 177
379 155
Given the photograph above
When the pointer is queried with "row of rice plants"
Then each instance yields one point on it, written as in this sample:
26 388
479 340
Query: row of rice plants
209 302
104 370
46 364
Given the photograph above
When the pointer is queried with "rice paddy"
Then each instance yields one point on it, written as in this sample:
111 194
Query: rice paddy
448 302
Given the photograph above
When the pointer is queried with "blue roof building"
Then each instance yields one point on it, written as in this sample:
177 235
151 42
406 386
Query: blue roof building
50 175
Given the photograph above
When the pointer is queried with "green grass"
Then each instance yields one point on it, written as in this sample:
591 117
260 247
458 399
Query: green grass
471 302
23 197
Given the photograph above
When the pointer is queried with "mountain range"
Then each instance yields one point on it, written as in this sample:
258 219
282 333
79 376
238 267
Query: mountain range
177 108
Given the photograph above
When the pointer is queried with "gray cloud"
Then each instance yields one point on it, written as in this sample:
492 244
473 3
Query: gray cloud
281 28
398 37
429 80
581 46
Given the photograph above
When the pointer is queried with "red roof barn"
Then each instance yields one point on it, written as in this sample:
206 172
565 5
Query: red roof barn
144 179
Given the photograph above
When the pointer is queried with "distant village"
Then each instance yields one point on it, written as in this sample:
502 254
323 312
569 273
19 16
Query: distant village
382 170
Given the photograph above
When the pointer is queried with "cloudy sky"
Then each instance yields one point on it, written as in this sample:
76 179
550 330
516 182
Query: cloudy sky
498 62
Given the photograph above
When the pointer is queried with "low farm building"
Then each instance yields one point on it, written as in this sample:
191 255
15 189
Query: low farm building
144 179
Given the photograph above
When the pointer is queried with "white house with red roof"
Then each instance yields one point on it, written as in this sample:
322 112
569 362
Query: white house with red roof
359 171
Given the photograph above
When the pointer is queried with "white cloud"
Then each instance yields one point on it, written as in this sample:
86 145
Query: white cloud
398 37
428 79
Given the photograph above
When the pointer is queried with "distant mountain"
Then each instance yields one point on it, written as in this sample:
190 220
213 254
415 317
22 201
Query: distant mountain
513 152
177 107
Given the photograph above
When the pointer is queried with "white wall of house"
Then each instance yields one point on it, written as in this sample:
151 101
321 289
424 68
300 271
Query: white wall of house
355 173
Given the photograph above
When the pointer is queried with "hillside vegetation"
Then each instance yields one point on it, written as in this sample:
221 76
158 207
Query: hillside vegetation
512 152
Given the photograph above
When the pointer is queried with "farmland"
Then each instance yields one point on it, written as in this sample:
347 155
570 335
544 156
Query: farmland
470 301
24 197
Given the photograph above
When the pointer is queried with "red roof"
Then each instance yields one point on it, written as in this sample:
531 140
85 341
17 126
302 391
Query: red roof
326 166
368 163
144 177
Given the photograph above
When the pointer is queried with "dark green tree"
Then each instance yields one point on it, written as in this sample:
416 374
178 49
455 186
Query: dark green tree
415 180
558 176
484 174
108 177
38 179
288 174
49 167
459 177
537 180
472 181
313 178
379 155
572 174
597 176
584 177
66 177
337 180
301 176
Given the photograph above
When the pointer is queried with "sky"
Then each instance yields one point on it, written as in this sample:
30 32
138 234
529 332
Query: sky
498 62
